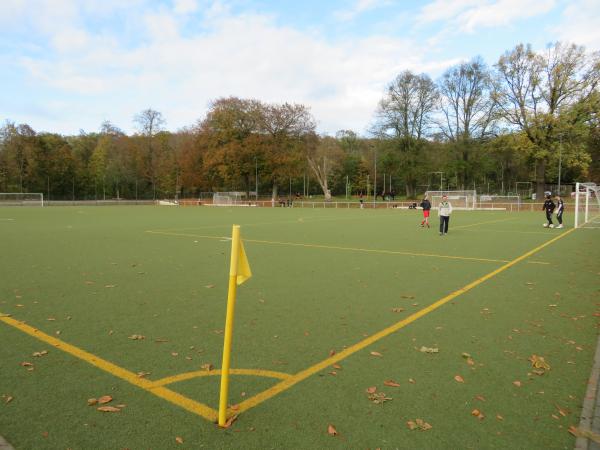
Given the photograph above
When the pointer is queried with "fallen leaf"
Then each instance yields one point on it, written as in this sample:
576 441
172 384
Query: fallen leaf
410 380
499 417
208 367
465 355
174 354
397 310
459 379
371 390
331 430
517 383
105 399
391 383
379 398
27 364
179 440
50 319
38 354
429 350
481 398
419 424
137 337
538 362
142 374
331 352
376 354
230 421
7 398
407 296
235 407
110 286
108 409
121 406
333 372
92 401
337 366
476 413
209 286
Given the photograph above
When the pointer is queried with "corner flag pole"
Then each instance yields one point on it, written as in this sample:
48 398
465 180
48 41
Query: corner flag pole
239 271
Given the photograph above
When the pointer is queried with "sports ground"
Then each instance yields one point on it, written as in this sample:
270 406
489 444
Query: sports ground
359 329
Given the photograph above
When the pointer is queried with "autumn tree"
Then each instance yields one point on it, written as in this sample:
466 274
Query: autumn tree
404 118
547 96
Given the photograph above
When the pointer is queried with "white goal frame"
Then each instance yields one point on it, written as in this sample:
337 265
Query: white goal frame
228 198
591 198
469 198
21 199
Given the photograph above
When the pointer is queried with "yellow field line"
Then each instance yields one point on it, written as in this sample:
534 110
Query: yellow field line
132 378
300 376
482 223
333 247
208 373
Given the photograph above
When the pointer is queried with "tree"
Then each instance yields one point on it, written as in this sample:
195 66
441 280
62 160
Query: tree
404 117
546 96
468 106
149 123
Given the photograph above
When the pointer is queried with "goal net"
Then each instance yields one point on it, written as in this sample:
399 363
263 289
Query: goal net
498 201
458 199
227 198
587 205
21 199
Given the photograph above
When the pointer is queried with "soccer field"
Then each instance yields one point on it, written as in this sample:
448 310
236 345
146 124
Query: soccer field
343 306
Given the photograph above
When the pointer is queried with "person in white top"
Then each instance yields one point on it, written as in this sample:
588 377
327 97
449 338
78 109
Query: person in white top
444 211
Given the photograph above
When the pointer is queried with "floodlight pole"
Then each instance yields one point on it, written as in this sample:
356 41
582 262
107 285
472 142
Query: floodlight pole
559 162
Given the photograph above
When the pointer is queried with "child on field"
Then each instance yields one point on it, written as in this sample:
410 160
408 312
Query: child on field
549 209
560 207
426 205
444 211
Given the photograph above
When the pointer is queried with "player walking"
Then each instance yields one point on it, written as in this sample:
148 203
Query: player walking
426 205
444 211
560 207
549 208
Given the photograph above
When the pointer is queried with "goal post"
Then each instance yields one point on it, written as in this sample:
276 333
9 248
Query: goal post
466 199
587 205
228 198
21 199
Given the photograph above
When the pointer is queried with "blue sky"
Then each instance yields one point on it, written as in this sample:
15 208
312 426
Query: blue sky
68 65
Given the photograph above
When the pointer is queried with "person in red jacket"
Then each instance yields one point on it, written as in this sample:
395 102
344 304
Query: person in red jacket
426 205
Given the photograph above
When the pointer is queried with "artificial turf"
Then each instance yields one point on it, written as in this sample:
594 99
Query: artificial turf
323 281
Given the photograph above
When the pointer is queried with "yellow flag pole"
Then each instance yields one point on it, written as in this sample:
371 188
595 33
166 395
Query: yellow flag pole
235 245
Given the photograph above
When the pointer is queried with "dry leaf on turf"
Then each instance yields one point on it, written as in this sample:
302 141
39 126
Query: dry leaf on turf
108 409
499 417
397 310
105 399
429 350
331 352
517 383
379 398
38 354
376 354
411 381
137 337
476 413
391 383
418 424
337 366
92 401
371 390
331 430
230 421
538 362
459 379
179 440
207 367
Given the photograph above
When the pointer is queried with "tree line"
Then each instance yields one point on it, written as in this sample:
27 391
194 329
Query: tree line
531 117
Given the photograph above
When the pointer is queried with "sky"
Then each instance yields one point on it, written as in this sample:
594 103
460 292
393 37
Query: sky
69 65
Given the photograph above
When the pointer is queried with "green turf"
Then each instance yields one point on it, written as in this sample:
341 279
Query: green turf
100 276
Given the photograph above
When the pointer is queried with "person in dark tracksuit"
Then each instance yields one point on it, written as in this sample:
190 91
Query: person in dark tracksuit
549 209
426 205
560 207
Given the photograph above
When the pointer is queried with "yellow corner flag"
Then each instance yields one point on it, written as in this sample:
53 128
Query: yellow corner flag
239 271
243 268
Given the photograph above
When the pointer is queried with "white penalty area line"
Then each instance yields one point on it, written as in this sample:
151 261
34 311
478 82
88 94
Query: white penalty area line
6 220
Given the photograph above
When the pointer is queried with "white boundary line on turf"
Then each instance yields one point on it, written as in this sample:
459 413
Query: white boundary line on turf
589 403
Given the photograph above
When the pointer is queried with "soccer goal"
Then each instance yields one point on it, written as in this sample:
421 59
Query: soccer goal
587 205
458 199
21 199
499 201
228 198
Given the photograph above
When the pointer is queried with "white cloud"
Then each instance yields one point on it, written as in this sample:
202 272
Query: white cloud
580 24
185 6
359 7
469 15
245 55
